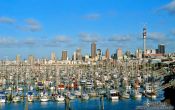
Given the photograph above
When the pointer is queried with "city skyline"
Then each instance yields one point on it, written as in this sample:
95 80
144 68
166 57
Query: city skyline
35 28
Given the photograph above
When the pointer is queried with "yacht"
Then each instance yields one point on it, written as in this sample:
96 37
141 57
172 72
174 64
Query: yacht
149 91
16 99
44 97
85 96
2 97
30 96
59 98
113 94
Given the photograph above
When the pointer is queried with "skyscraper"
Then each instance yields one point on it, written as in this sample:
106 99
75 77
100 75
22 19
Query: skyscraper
107 54
64 55
78 54
18 59
93 50
31 59
53 56
99 54
161 49
119 54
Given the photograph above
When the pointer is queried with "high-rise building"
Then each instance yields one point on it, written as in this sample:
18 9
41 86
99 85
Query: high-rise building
18 59
64 55
99 54
138 53
78 54
93 50
31 59
161 49
53 56
119 54
107 55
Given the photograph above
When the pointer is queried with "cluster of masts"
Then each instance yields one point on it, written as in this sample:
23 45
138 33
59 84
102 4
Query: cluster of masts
58 83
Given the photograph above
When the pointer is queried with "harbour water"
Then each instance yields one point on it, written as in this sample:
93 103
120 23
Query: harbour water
78 104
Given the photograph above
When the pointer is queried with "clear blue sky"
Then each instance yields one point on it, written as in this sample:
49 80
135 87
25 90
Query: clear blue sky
39 27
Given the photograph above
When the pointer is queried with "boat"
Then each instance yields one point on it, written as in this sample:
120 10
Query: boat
16 99
85 96
149 91
59 98
2 97
113 94
44 97
125 95
77 93
30 96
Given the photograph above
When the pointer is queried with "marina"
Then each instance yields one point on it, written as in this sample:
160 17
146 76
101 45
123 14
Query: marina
77 85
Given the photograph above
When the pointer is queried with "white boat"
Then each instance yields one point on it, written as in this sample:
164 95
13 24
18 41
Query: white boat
9 89
30 96
59 98
85 96
2 97
113 94
149 91
137 94
16 99
77 93
44 98
125 95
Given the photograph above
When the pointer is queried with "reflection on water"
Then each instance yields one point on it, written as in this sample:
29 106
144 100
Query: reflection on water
78 104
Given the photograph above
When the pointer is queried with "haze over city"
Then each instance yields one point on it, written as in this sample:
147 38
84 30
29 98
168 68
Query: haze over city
41 27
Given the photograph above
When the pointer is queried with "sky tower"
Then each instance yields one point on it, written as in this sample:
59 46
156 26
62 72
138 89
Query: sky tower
144 41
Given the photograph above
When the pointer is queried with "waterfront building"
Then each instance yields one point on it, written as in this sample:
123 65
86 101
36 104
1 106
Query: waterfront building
64 55
93 50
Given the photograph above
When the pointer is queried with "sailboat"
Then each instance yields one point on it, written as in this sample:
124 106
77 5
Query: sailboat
30 96
2 97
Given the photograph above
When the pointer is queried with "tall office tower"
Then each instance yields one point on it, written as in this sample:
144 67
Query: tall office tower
64 55
144 41
139 53
161 49
99 54
53 56
18 59
78 54
74 56
31 59
119 54
93 50
107 55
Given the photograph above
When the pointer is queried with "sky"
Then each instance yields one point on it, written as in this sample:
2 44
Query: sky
39 27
